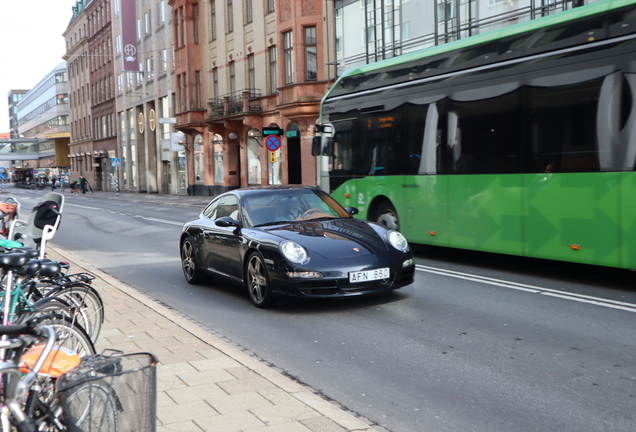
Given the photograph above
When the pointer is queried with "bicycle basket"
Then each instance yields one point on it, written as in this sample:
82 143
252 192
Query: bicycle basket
110 393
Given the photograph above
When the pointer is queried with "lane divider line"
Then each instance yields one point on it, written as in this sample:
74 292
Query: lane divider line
597 301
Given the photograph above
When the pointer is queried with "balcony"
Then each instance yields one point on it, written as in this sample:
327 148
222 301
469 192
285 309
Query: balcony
239 102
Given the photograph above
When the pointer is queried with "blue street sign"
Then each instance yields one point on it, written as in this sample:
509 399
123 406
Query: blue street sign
116 162
272 143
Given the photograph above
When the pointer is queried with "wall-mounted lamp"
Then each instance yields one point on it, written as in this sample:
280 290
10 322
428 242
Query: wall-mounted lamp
256 134
218 139
232 136
96 153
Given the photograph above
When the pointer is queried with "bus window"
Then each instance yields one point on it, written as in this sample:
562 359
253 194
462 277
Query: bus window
628 122
390 136
484 135
561 128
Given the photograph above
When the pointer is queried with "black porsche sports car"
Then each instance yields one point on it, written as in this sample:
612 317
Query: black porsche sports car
293 241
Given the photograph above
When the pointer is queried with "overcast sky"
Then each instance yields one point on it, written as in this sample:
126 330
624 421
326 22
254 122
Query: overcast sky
31 44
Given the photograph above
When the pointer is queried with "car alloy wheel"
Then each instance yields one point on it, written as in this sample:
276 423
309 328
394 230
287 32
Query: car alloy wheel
188 262
257 282
387 217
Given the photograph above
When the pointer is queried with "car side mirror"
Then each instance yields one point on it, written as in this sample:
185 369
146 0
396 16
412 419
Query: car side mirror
316 142
227 222
352 211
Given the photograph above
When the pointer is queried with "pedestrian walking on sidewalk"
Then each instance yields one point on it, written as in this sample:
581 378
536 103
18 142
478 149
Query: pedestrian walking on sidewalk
81 182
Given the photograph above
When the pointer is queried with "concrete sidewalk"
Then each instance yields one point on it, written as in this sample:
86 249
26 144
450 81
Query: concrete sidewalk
204 383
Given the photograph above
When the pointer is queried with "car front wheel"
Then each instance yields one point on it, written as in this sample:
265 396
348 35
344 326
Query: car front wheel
189 262
257 281
387 216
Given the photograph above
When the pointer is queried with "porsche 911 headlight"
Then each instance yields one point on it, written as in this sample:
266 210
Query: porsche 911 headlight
294 252
397 240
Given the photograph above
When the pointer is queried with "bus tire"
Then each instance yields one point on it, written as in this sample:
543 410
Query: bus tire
386 216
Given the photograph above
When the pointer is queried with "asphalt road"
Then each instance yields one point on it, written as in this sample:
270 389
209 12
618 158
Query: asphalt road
480 342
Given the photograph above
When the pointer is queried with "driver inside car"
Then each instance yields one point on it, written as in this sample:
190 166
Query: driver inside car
290 209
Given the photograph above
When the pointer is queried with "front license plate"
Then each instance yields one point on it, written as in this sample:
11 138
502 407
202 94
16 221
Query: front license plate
369 275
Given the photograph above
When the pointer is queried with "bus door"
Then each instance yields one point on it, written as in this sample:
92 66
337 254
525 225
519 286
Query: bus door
340 152
426 192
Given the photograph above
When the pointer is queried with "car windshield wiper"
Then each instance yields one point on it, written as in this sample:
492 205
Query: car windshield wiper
323 218
271 223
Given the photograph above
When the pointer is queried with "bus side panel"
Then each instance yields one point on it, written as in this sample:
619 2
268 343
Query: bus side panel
427 210
361 193
573 217
486 212
627 231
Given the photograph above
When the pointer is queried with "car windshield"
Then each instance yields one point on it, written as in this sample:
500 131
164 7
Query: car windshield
277 206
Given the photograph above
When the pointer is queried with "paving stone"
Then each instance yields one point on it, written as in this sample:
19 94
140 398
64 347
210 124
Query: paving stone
286 427
212 353
240 402
193 347
179 358
283 413
186 426
164 400
246 385
276 396
206 377
177 413
221 362
105 333
232 422
195 393
322 424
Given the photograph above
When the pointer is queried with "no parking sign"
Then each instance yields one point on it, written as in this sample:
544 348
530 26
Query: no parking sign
272 143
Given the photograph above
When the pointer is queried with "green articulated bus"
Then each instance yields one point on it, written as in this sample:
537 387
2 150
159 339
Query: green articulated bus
518 141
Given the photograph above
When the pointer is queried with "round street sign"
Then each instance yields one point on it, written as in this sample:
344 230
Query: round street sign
272 143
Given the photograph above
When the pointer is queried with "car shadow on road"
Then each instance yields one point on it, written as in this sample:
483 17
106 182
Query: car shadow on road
293 305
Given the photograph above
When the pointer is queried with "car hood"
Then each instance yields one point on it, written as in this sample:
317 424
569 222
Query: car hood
333 238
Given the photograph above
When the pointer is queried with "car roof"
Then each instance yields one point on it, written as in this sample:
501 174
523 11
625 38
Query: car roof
256 189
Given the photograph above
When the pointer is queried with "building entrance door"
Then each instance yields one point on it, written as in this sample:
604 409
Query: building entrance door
294 161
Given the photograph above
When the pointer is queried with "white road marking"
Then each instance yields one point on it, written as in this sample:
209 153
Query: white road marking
129 215
597 301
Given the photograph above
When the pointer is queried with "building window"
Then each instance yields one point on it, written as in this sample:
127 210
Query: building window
251 73
248 11
311 63
164 112
181 24
215 82
230 16
161 12
150 68
147 23
138 28
163 61
232 78
271 6
253 162
218 161
198 159
118 45
273 81
197 77
213 19
195 23
289 57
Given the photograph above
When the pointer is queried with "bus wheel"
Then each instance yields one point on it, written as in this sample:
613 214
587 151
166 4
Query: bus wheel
386 216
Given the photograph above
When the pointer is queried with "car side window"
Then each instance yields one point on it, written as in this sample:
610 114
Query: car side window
228 207
210 210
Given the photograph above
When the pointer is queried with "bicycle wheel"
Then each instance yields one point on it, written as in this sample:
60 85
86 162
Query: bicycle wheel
94 408
89 304
70 333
